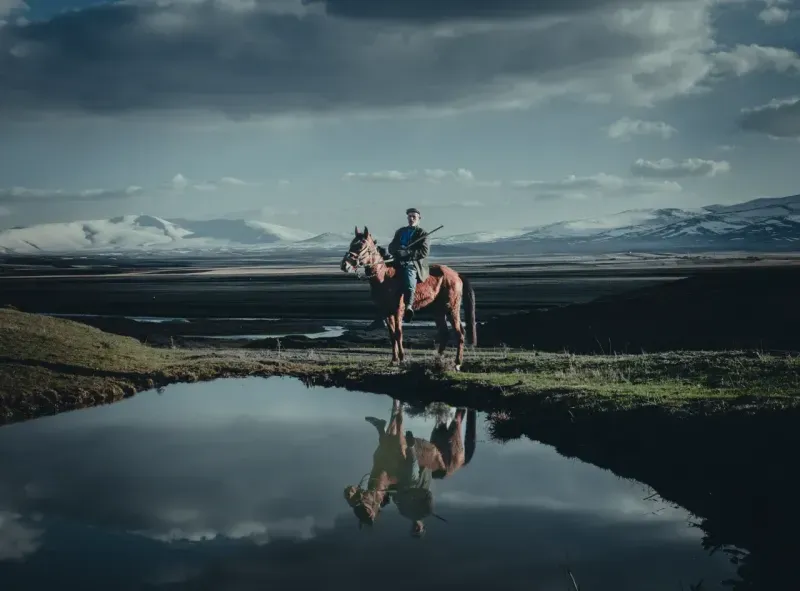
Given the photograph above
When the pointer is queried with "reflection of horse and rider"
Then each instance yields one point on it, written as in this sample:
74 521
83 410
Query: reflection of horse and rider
403 282
404 466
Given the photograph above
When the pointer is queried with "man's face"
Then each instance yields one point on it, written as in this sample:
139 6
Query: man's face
413 219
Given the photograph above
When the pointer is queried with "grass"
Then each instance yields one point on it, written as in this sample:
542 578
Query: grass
50 364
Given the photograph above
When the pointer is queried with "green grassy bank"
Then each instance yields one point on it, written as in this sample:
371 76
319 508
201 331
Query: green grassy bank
48 365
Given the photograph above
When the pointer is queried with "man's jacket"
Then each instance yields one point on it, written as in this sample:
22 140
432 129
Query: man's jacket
418 252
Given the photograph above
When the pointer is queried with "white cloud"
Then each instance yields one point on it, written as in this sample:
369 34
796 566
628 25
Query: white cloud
779 118
746 59
775 12
436 175
179 182
17 540
625 128
599 185
9 6
666 168
774 15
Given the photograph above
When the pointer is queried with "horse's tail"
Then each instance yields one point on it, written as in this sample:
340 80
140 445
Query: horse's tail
469 310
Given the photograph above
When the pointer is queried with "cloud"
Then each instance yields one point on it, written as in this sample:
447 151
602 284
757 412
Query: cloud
779 118
17 539
746 59
180 183
599 185
421 11
395 176
248 59
626 128
23 195
774 13
666 168
9 6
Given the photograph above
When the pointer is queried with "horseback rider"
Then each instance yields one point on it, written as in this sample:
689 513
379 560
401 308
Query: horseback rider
412 494
412 263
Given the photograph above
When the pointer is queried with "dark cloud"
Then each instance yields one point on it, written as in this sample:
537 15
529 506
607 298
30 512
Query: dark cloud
122 58
778 118
443 10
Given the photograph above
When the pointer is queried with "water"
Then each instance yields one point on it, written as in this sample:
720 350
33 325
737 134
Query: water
237 484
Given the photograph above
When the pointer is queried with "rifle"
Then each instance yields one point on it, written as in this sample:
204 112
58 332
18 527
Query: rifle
421 238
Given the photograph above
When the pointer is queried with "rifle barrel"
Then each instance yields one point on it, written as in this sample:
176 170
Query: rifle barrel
425 236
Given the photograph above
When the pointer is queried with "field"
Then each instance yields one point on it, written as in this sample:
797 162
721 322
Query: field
707 416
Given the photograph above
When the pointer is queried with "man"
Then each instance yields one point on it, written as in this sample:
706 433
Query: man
412 263
412 494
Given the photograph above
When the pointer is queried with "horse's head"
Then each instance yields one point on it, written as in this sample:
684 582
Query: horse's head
363 253
366 504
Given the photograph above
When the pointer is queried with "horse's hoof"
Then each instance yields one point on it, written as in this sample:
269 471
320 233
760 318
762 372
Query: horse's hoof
458 367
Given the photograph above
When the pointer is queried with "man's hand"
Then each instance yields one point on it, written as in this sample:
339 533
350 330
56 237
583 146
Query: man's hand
402 254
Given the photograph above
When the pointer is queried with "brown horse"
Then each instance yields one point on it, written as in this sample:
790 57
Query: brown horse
387 461
442 291
450 443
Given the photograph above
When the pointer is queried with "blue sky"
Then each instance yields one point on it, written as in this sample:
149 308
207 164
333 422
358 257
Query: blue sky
324 114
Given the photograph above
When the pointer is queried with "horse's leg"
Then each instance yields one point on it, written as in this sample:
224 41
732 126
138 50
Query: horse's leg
390 325
455 319
444 333
398 331
395 419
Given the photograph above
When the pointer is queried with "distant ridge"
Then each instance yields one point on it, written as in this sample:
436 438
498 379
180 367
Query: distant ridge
767 223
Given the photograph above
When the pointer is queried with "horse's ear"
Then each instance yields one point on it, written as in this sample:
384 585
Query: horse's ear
366 232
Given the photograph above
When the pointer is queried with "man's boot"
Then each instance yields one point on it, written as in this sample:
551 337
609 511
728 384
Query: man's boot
409 313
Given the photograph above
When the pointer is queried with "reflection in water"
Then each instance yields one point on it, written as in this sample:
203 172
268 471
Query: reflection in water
237 484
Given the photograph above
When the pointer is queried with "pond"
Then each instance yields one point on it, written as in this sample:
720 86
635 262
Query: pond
238 484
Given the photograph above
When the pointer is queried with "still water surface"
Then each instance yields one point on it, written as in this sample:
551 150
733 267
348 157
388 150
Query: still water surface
237 484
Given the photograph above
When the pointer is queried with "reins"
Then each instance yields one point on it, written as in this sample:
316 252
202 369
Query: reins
372 249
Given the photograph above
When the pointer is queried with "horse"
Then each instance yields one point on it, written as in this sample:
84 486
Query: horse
387 461
442 291
451 445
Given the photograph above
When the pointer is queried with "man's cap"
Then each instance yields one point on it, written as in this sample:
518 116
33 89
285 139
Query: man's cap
413 210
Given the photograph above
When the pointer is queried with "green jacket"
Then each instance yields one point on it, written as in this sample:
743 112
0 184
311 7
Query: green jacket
419 252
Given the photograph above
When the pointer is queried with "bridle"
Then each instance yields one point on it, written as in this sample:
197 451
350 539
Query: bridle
356 259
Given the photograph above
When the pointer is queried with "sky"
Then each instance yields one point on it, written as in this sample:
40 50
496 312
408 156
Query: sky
325 114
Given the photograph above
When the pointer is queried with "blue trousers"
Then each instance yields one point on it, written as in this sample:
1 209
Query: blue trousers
408 273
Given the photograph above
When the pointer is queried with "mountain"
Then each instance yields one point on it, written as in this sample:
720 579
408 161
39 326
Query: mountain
330 238
142 232
760 224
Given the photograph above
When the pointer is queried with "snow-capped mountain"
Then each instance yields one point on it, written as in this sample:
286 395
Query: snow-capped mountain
142 232
760 224
754 225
